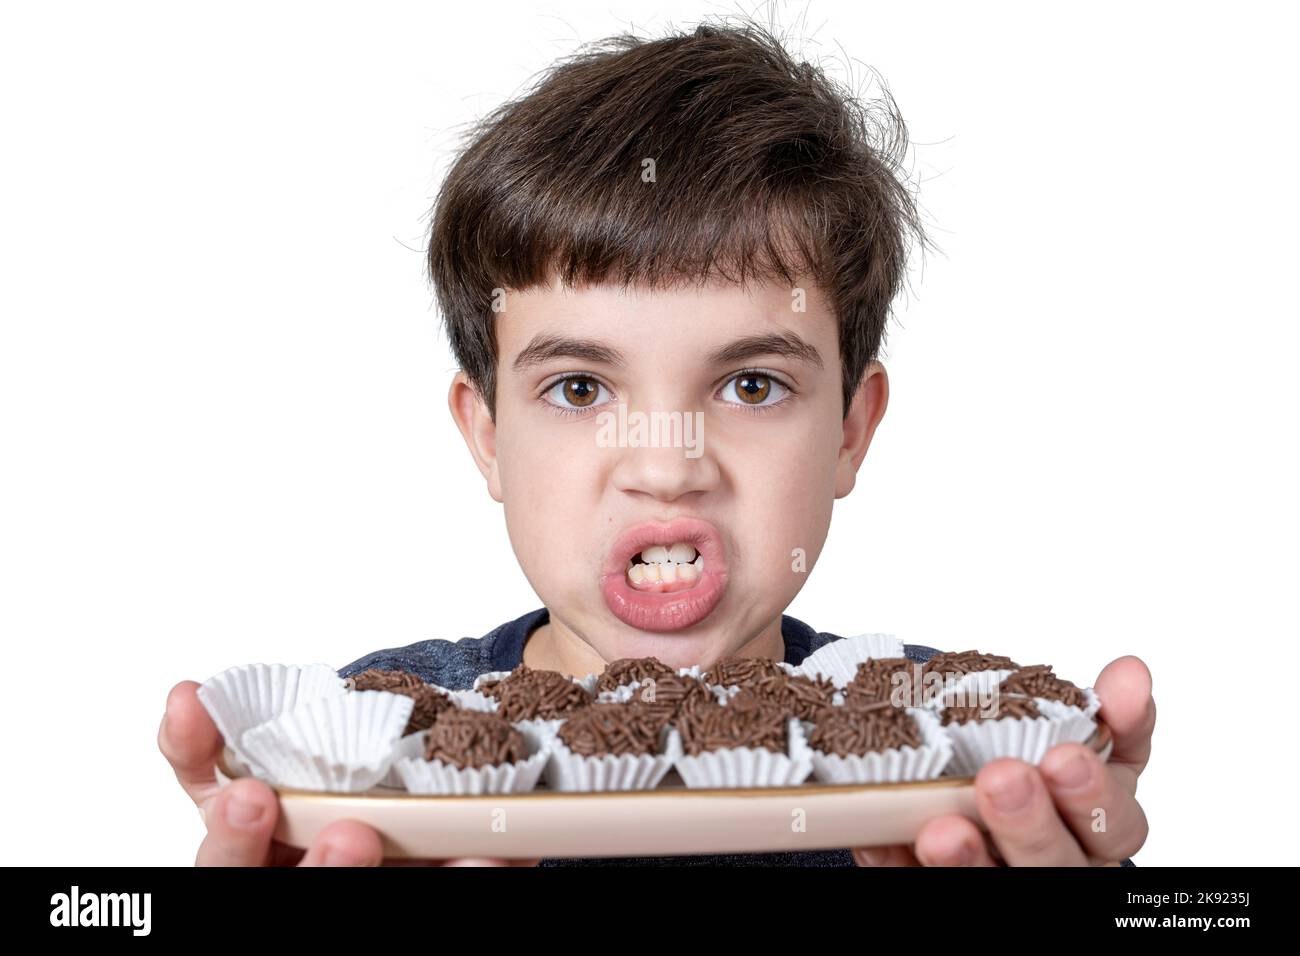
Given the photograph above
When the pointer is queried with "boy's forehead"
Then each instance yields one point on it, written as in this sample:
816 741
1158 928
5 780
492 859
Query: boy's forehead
696 320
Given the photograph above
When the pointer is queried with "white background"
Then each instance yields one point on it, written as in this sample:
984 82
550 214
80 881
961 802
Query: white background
223 386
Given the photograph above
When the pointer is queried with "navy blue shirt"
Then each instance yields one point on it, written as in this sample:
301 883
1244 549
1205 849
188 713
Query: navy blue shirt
455 665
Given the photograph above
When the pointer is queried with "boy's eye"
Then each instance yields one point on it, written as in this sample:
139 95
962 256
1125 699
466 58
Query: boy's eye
575 392
755 389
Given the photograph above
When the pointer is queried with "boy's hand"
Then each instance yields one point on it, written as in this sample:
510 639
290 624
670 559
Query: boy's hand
241 816
1056 823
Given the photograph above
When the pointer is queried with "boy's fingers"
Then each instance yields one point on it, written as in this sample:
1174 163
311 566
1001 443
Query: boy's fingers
1124 687
1016 806
1095 802
240 818
952 841
190 741
345 843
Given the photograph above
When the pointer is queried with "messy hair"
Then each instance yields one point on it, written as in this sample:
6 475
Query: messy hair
764 169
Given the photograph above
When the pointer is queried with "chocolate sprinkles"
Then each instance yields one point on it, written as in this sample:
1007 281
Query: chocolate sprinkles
746 720
629 670
667 696
967 662
473 738
430 701
1008 705
741 671
529 694
796 694
612 728
864 728
1039 681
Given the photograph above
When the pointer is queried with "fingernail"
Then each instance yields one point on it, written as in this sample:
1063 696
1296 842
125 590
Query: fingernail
1074 775
243 813
964 856
1013 794
874 857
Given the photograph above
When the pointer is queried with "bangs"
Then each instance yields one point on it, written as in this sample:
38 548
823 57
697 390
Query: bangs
691 159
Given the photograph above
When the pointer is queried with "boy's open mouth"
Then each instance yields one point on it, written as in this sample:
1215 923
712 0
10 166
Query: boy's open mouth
661 569
665 576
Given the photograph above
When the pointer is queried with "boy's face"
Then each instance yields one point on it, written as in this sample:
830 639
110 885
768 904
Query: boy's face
762 451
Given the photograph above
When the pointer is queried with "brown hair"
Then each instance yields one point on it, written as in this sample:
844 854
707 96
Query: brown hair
764 169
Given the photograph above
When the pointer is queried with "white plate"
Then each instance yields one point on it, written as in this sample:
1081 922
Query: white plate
670 820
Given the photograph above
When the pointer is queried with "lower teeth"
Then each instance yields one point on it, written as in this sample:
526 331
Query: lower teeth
656 574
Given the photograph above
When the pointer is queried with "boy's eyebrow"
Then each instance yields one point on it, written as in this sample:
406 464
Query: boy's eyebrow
544 347
786 344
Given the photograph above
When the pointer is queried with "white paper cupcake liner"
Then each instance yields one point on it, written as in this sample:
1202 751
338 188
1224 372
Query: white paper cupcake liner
435 777
486 676
619 695
839 660
896 765
473 700
1025 738
570 772
241 698
750 766
342 744
412 745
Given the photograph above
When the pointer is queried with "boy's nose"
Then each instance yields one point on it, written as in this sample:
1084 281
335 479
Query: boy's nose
665 473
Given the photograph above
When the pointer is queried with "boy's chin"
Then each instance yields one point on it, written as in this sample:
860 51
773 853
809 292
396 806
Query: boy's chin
678 649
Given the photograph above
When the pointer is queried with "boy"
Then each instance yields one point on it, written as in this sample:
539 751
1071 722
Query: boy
695 231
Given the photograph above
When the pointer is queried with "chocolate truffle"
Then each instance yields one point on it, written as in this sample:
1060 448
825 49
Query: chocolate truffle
378 679
741 671
629 670
796 694
967 662
430 701
612 728
527 694
1038 680
864 728
474 738
874 681
747 720
667 696
1008 705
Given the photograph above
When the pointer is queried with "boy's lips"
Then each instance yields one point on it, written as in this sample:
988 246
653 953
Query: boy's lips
674 610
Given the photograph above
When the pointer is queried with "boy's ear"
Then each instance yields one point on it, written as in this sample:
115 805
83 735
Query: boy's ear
476 426
865 412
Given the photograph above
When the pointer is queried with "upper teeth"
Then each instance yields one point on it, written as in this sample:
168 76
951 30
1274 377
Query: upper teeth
666 564
678 553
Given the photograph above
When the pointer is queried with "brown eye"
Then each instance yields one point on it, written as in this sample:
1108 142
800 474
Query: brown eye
753 389
580 391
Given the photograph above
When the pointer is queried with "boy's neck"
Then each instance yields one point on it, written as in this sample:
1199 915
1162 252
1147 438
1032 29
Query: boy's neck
556 648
